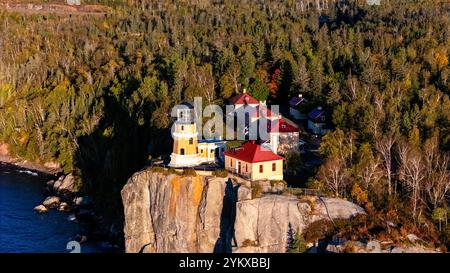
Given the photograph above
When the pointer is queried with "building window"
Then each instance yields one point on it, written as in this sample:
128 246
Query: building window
196 150
182 127
274 167
212 151
181 151
246 168
191 141
261 168
231 162
201 151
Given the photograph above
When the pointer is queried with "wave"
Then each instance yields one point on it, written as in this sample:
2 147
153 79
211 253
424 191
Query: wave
28 172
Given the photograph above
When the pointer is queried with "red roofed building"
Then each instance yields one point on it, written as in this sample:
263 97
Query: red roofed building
284 136
244 99
254 162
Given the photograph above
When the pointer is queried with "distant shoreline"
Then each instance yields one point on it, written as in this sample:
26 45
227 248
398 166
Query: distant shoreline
10 163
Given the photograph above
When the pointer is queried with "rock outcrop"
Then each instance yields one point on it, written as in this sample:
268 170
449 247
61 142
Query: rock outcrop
172 213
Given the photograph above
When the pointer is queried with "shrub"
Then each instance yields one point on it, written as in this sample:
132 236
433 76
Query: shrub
273 183
189 172
350 247
257 190
157 169
318 230
220 173
298 244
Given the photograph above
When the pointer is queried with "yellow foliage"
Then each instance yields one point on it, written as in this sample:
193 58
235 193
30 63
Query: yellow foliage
359 195
441 59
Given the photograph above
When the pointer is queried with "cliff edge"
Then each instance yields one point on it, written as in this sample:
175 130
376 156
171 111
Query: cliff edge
175 213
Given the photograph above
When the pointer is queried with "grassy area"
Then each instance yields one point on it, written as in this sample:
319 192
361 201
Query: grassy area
234 143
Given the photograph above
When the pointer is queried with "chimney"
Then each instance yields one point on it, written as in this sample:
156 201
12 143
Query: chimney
245 90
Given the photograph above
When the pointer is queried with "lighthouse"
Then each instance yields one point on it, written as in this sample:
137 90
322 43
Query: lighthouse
185 139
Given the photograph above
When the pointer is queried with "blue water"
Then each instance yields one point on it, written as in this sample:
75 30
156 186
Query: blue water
24 231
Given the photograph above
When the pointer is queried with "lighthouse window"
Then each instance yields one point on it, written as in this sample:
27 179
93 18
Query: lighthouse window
261 168
191 141
181 151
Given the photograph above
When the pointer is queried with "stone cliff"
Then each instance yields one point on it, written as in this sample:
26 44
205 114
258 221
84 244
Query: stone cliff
175 213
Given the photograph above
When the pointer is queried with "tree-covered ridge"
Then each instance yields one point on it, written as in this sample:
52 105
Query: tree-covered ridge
91 92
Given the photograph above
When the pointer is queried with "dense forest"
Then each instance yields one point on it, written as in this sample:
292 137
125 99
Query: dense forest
93 93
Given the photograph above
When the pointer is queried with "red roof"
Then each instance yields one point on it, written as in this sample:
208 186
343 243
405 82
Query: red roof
265 111
282 126
251 152
243 98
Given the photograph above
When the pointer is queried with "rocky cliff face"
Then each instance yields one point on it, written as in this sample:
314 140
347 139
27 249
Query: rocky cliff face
172 213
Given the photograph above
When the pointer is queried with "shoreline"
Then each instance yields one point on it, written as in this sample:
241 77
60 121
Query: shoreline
85 214
9 163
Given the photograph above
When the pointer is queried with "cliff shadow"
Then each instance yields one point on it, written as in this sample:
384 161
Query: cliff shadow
106 157
227 239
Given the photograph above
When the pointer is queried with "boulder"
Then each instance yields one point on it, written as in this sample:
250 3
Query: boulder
412 249
335 208
67 184
81 201
63 206
78 200
412 238
57 184
268 186
268 220
244 193
51 201
41 209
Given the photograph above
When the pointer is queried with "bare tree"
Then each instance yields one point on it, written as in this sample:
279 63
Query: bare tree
370 172
437 174
411 172
334 174
384 146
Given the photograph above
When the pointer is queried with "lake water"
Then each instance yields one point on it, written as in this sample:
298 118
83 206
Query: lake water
24 231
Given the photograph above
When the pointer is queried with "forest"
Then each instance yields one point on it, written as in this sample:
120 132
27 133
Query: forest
93 93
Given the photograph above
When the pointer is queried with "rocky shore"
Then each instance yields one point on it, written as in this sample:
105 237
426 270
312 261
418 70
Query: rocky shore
61 194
